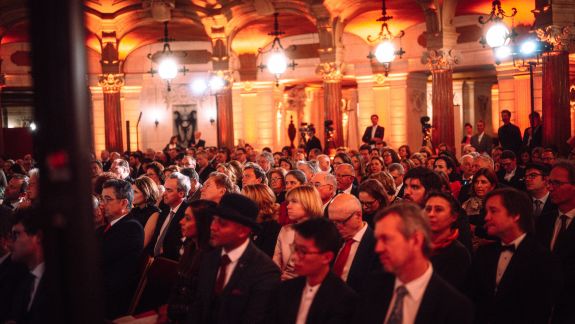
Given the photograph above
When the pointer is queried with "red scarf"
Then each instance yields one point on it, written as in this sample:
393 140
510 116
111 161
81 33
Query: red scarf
436 246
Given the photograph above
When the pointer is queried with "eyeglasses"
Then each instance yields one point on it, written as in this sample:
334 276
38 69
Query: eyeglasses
368 203
343 175
275 179
301 251
557 183
533 175
342 222
319 184
107 200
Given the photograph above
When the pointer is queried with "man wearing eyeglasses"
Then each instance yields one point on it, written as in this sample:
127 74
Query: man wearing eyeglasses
317 295
536 175
345 175
510 174
556 231
356 258
326 184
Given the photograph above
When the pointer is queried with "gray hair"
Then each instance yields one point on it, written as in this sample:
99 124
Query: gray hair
466 156
268 156
486 158
412 221
396 167
329 178
312 166
346 165
184 184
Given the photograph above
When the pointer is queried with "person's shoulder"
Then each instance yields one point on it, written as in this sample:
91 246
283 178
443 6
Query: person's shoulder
442 290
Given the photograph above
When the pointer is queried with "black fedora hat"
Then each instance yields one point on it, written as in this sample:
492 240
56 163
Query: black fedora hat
239 209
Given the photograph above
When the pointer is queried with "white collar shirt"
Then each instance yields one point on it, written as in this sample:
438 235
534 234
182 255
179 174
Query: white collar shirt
356 240
307 298
234 256
505 258
38 273
570 215
412 300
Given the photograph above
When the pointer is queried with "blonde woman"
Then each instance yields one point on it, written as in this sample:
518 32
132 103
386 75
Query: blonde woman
264 197
304 202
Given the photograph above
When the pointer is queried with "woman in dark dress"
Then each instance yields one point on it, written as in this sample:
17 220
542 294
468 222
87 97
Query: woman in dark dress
449 257
373 198
276 179
145 211
264 197
195 227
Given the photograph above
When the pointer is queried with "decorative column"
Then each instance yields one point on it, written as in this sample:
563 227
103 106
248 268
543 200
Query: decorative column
440 63
2 84
556 108
225 118
332 75
111 85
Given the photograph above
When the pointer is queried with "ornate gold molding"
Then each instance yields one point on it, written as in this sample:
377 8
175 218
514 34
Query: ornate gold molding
111 83
442 59
557 36
330 72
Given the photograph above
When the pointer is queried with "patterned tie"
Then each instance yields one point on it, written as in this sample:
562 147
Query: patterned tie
396 316
538 207
159 247
342 258
221 280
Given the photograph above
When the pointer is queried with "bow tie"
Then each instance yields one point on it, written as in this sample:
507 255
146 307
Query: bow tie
510 248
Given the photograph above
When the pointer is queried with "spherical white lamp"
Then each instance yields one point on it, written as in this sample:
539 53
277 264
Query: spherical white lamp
497 35
277 63
217 83
168 68
199 86
503 52
385 52
528 47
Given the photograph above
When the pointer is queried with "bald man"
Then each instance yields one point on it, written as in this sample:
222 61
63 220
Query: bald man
356 257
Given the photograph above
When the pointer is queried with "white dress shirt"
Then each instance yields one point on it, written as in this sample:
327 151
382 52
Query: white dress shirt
505 258
509 175
570 214
38 273
411 301
116 220
307 297
234 256
373 130
173 212
356 240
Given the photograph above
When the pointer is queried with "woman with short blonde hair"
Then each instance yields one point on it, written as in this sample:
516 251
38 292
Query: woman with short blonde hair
264 197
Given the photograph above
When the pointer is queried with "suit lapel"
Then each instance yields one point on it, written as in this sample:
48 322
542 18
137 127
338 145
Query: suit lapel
321 300
428 302
360 254
239 270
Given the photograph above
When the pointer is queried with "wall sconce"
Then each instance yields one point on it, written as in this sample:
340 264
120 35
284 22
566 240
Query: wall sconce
156 122
212 121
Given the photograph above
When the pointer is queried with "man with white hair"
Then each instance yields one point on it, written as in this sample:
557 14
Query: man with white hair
324 162
326 184
466 166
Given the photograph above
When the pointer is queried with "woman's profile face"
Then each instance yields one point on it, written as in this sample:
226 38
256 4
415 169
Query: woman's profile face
438 212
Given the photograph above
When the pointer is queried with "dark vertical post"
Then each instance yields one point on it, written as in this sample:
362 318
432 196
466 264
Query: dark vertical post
532 87
128 136
63 141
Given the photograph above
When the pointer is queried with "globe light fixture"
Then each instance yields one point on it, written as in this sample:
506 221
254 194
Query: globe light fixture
528 47
216 84
497 35
168 65
385 51
277 61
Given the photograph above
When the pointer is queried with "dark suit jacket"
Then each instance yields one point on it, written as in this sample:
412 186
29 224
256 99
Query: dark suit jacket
537 139
565 250
526 291
122 247
204 174
364 262
312 143
333 303
510 138
41 308
483 146
517 181
441 303
452 264
245 297
379 132
12 275
173 238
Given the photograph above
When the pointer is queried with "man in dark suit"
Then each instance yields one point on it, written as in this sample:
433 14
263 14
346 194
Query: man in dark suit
373 133
121 169
510 174
203 166
312 142
515 280
122 244
533 136
403 244
167 238
345 175
536 175
509 134
135 163
235 280
317 295
195 185
556 231
481 141
356 258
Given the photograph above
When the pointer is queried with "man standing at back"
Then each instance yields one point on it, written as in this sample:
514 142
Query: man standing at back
235 280
410 291
373 133
509 134
481 141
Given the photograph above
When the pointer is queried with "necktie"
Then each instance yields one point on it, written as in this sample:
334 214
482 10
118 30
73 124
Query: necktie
221 280
538 207
342 258
107 228
396 316
563 227
158 248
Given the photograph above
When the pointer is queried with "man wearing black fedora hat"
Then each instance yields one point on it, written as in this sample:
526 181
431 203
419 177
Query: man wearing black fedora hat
236 279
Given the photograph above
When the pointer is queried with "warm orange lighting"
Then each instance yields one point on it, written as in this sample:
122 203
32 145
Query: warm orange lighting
93 42
249 40
367 24
127 45
524 15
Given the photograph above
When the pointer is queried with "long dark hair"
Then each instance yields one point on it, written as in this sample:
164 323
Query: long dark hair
203 214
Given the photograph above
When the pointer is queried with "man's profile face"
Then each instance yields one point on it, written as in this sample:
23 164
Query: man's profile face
414 191
393 249
172 197
225 233
13 189
24 244
249 177
498 221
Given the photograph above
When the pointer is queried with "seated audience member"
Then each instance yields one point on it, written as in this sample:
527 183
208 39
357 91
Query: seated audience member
15 191
308 168
536 183
358 167
317 295
549 156
195 228
195 185
324 163
479 162
356 257
397 171
216 186
556 231
32 190
515 280
345 176
510 174
287 164
484 181
235 280
410 291
404 152
445 164
253 174
135 162
146 196
203 166
293 178
121 169
264 197
326 185
276 179
449 257
96 168
166 239
304 203
372 198
122 244
376 165
266 161
466 167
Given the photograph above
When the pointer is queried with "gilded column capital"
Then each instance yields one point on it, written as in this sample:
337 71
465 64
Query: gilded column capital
558 36
111 83
442 59
330 72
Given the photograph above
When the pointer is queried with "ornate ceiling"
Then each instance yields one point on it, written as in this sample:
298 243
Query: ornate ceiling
243 24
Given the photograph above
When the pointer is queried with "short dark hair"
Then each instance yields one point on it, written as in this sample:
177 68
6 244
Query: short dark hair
468 124
98 163
534 114
507 154
298 174
122 188
258 171
190 173
517 203
454 204
374 188
25 181
487 173
203 211
567 166
30 218
545 169
323 232
505 111
365 147
374 115
428 179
